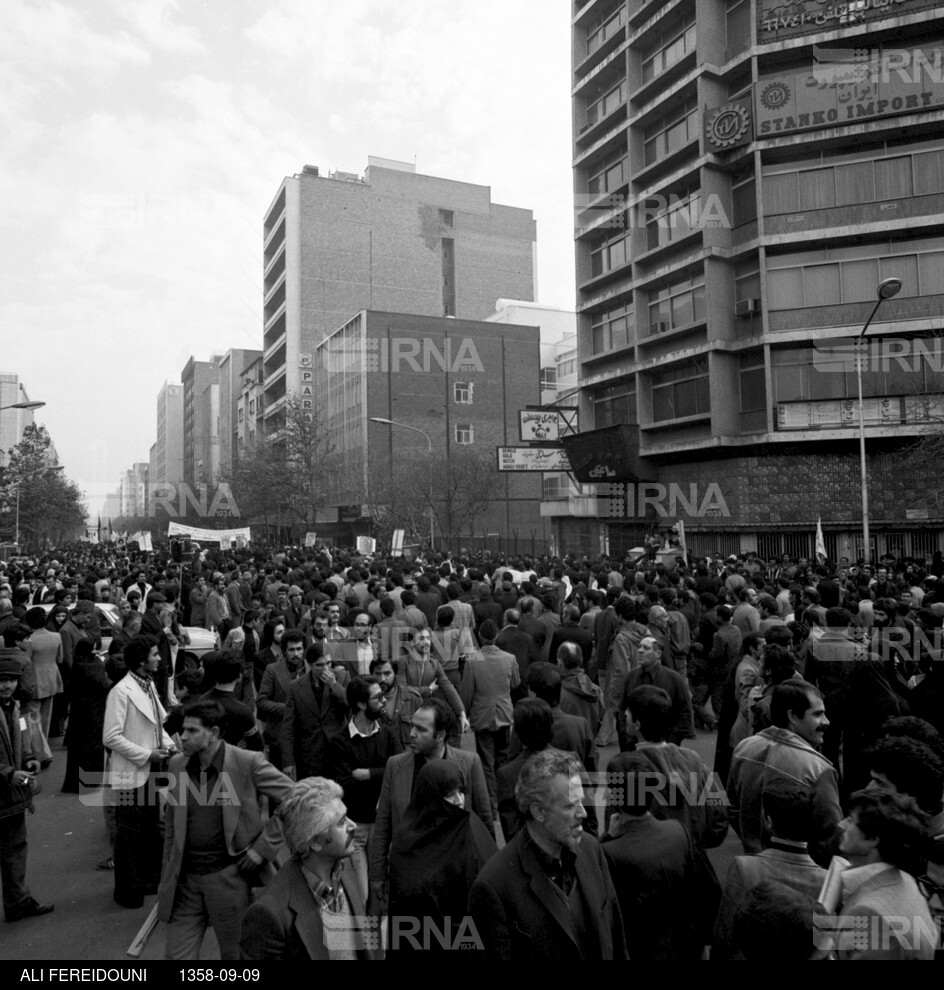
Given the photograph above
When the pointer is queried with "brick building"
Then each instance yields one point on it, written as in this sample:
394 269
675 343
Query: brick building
458 382
391 240
744 181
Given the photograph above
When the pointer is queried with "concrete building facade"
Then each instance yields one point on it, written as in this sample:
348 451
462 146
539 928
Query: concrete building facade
233 366
199 426
12 421
744 181
169 447
459 383
391 240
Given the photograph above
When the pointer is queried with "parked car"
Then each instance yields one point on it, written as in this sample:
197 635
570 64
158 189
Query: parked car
201 640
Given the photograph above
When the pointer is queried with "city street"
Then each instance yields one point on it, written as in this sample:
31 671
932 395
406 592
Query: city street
67 839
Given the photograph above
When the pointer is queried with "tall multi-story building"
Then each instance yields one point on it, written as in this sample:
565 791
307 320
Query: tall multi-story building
746 174
391 240
249 428
199 425
12 421
448 386
169 447
133 491
233 366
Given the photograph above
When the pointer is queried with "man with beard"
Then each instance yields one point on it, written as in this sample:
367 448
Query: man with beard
358 755
399 700
215 844
433 723
274 691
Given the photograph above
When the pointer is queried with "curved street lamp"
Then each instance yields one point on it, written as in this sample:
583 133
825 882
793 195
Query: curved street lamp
429 444
886 289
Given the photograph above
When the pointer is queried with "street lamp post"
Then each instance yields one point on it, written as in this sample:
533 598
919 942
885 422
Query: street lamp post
429 444
886 289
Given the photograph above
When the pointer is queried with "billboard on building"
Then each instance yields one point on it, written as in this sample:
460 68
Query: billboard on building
780 19
532 459
853 85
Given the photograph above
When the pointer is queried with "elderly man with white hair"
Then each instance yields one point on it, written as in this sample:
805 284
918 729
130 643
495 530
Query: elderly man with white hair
313 909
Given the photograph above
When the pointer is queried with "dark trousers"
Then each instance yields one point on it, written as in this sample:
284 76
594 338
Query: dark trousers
492 747
139 846
13 862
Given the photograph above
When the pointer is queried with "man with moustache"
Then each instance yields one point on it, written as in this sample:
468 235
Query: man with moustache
215 844
399 701
358 755
548 895
313 909
789 749
433 722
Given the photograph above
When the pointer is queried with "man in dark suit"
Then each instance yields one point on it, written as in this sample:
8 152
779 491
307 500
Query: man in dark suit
214 840
571 732
651 671
433 722
315 709
547 895
569 631
288 920
274 691
665 913
516 641
531 625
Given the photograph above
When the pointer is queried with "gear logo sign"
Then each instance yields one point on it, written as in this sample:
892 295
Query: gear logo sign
775 95
728 126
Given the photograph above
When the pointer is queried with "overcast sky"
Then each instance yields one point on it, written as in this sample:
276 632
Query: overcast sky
143 141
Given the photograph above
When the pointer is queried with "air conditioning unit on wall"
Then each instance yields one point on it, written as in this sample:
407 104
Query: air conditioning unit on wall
747 307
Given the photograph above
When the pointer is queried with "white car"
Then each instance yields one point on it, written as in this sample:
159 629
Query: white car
201 640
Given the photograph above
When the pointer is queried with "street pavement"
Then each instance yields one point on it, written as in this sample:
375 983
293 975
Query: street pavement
67 838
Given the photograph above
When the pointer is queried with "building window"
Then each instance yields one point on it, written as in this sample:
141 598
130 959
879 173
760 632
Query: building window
753 393
566 367
738 25
744 201
677 304
819 185
462 393
600 32
673 130
610 173
813 278
240 415
602 106
556 486
672 222
548 379
611 328
614 405
446 218
610 252
464 433
681 391
747 279
252 406
449 276
671 46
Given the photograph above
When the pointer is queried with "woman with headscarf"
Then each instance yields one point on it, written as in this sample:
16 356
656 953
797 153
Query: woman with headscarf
435 856
88 689
57 617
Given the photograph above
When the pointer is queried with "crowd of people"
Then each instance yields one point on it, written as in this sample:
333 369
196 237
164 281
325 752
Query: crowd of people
321 754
